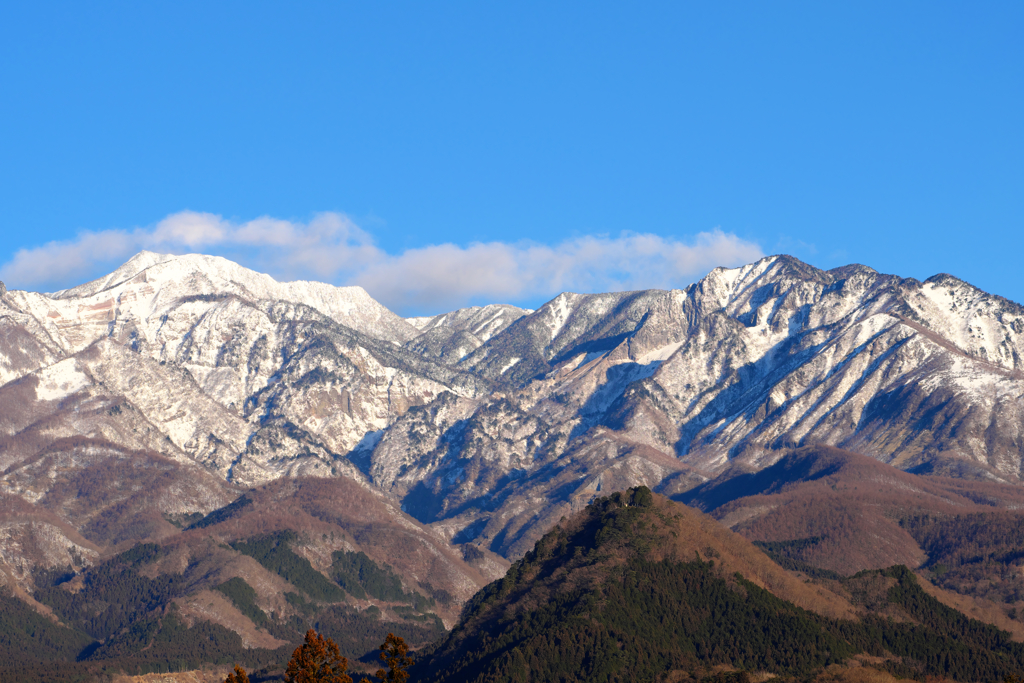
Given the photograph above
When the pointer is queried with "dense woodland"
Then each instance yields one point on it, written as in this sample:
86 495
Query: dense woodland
975 554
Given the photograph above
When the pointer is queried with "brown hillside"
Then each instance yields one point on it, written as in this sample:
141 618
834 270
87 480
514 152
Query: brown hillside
688 532
683 533
340 514
845 508
248 566
113 496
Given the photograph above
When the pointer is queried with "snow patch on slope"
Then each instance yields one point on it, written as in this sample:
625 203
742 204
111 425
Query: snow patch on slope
559 310
60 380
660 354
508 365
421 322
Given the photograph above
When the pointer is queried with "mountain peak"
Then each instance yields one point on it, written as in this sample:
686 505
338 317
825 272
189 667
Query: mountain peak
129 269
157 282
628 559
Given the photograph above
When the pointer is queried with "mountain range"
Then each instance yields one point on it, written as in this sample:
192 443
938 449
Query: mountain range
191 405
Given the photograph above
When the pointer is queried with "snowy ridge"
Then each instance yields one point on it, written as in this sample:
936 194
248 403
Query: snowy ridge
149 285
491 422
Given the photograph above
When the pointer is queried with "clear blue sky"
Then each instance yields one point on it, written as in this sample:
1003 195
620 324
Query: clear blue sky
890 134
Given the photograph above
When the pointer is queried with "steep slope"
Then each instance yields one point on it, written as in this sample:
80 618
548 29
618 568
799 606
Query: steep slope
340 515
241 583
25 343
848 358
254 378
565 327
842 511
450 337
149 282
612 594
821 510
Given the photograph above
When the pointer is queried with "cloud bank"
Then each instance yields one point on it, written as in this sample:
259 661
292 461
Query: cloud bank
429 279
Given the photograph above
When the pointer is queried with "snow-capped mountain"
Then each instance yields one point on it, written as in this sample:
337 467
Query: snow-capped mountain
450 337
488 424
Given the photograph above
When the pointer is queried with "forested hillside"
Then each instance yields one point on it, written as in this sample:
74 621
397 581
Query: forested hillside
242 584
612 595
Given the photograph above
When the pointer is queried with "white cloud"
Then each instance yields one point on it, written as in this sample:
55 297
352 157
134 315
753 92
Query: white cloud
189 229
435 278
451 276
66 263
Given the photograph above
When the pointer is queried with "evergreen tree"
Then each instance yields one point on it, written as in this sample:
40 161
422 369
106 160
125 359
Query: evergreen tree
238 676
317 661
395 653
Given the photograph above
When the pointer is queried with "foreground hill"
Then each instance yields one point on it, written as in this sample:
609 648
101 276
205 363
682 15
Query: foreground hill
637 588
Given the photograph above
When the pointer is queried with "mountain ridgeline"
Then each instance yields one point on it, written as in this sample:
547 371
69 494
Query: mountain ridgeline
198 463
226 379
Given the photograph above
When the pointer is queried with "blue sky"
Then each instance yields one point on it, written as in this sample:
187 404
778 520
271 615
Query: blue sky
450 153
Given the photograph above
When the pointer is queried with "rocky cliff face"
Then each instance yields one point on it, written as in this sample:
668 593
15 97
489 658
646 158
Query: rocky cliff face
489 424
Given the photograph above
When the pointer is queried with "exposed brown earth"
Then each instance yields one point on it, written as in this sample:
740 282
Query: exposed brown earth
851 504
